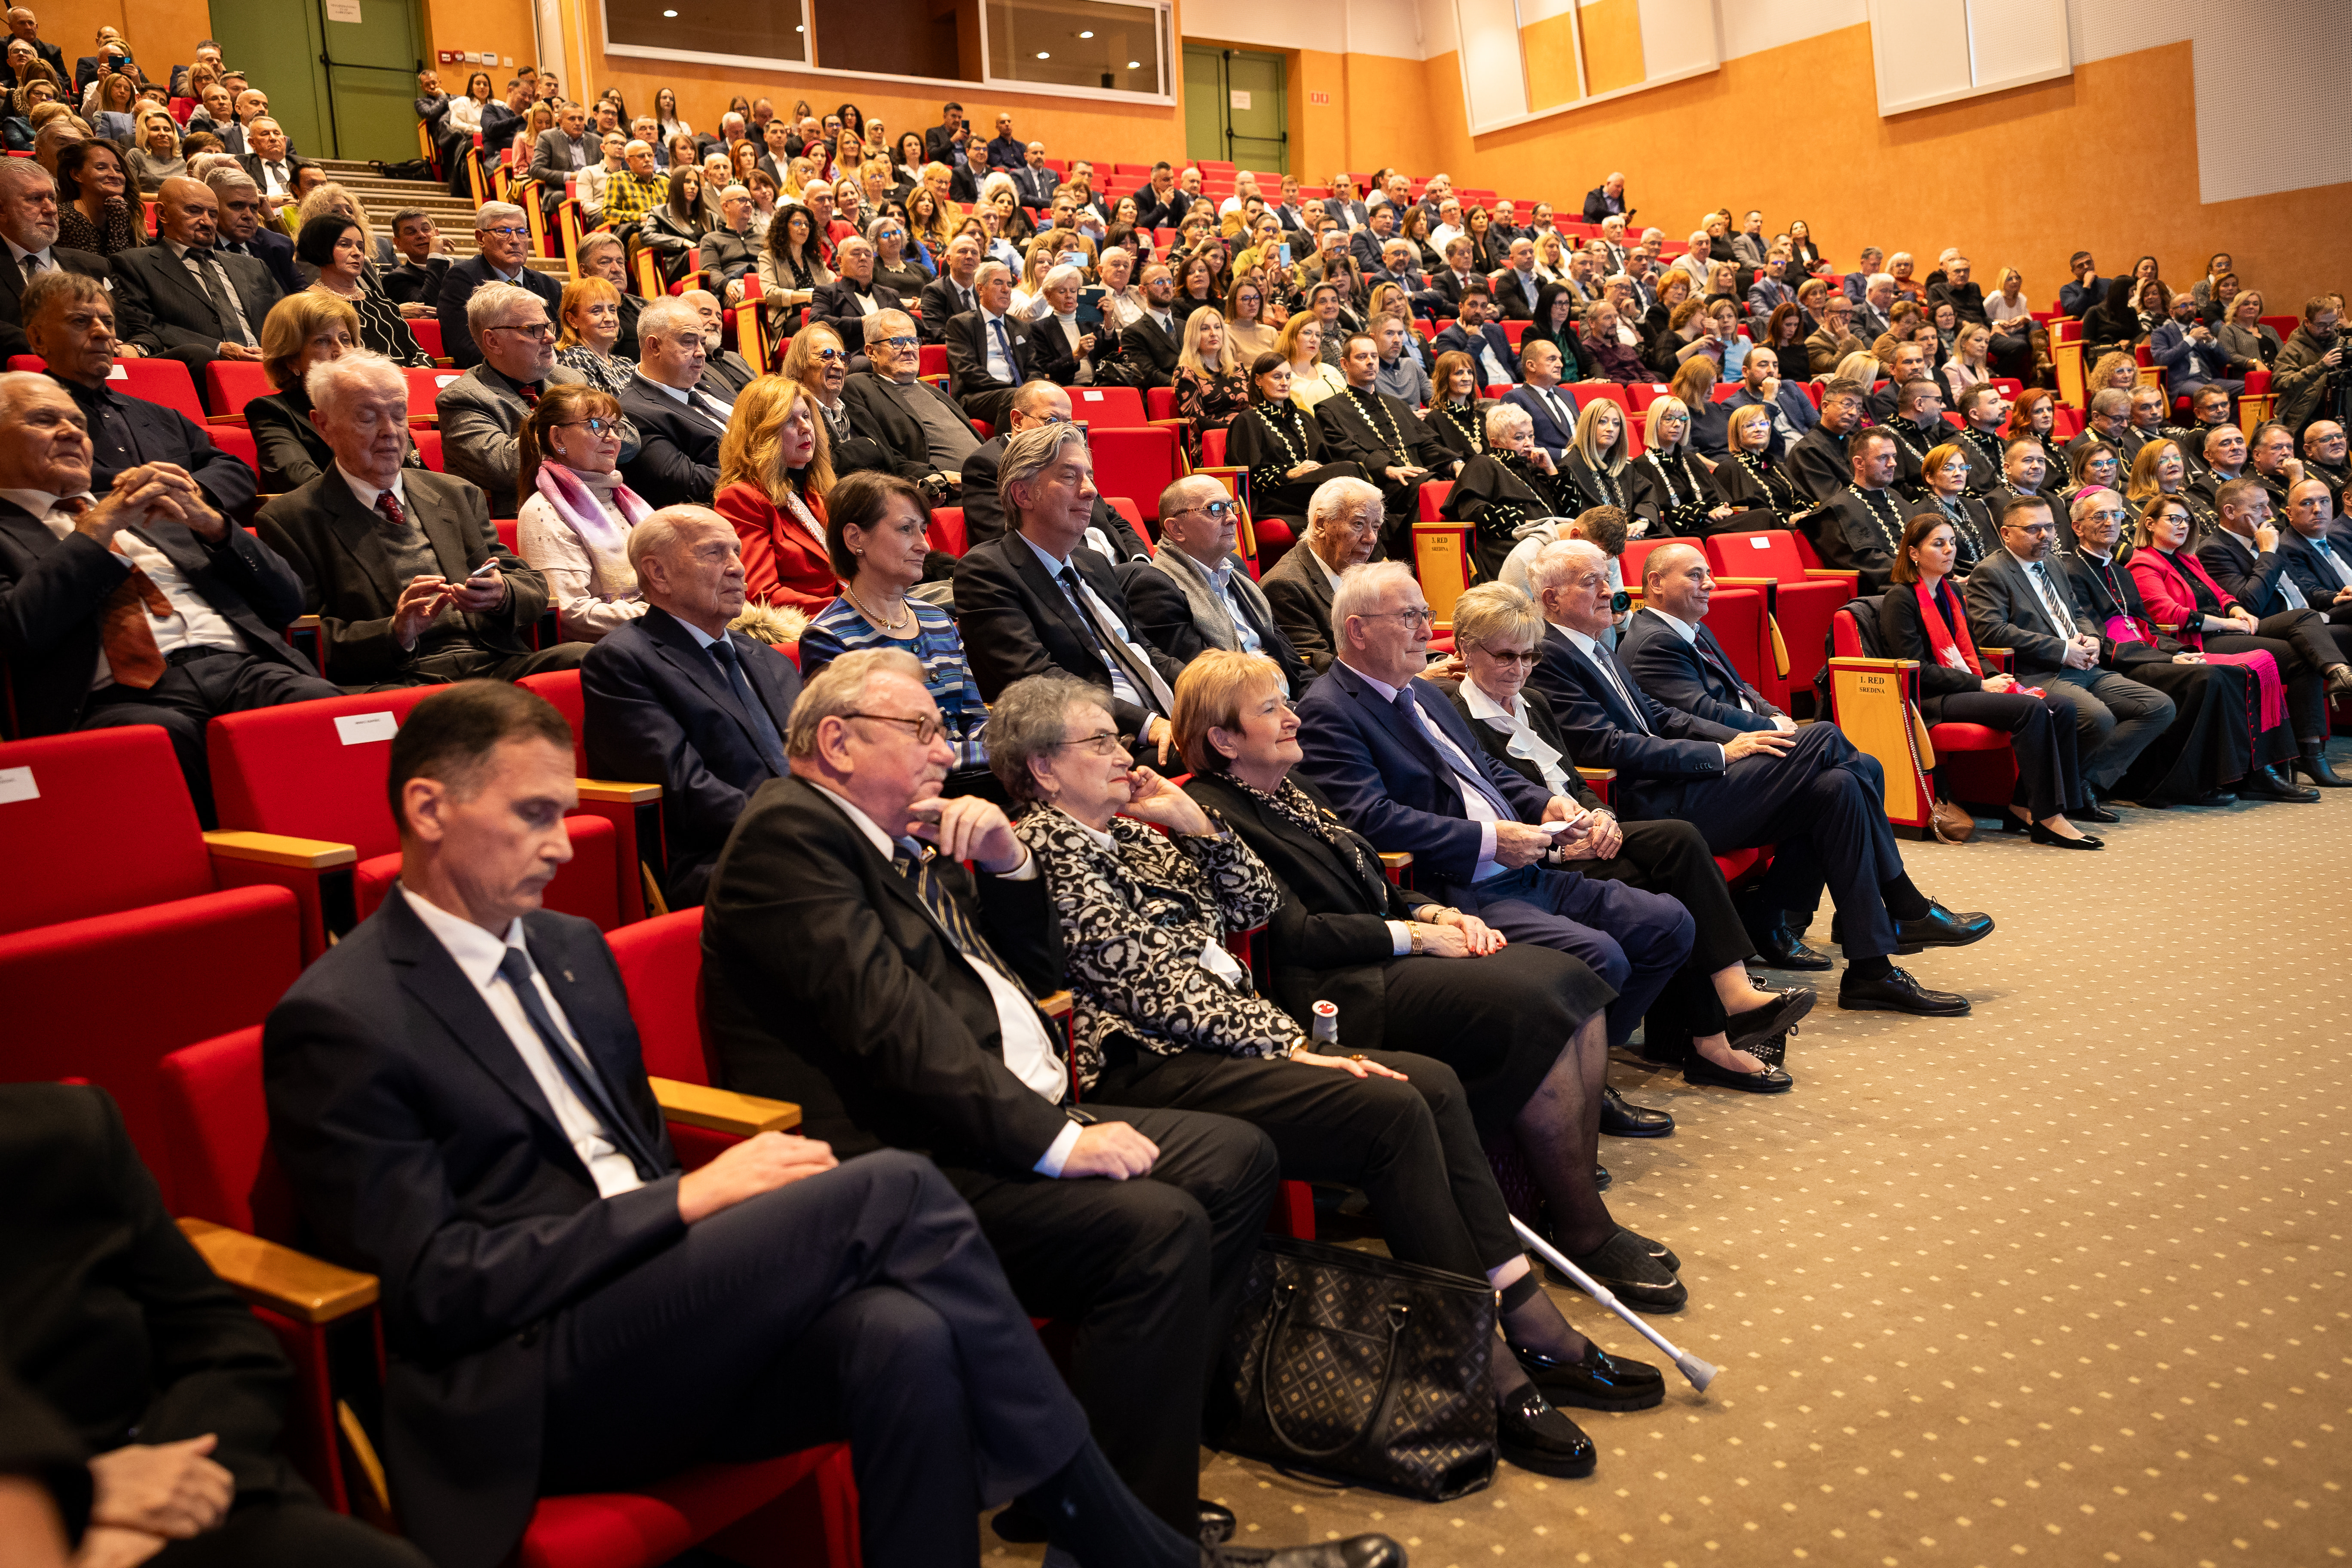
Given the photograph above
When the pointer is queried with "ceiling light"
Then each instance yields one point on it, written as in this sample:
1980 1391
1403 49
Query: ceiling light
1089 34
1135 65
1043 56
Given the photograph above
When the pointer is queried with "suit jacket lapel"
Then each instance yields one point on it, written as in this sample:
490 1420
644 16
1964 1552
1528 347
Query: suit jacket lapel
1595 683
441 530
692 659
1032 571
356 532
1386 711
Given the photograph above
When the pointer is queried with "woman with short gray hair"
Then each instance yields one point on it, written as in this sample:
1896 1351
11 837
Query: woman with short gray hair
1146 884
1508 490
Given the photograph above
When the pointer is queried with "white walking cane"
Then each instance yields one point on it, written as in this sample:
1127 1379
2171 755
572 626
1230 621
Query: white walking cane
1700 1373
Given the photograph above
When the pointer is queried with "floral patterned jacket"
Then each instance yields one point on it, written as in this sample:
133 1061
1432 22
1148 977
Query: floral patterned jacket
1134 923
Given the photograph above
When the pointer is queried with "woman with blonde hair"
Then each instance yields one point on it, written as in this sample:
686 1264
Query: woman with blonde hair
775 464
576 513
1749 480
2008 302
1596 457
1671 494
32 93
1300 344
155 156
1967 366
1212 384
588 323
2249 344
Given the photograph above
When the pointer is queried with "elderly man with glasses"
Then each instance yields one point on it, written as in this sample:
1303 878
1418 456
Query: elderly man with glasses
927 436
482 411
1196 593
502 230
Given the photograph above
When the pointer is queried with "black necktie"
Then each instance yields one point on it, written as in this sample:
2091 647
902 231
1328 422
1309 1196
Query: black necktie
582 1075
755 712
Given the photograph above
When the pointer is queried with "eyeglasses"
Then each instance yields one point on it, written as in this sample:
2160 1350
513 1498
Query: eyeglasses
538 330
901 342
509 233
924 727
1218 509
1513 656
1420 617
597 427
1105 743
828 356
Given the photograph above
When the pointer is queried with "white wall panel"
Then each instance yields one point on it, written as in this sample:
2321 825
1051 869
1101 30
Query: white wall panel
1751 27
1678 35
1494 83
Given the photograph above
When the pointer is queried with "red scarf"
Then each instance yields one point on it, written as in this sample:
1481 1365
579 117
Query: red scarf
1960 654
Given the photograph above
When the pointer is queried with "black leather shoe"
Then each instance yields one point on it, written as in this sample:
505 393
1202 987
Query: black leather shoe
1657 1249
2265 783
2223 796
1356 1552
2041 833
2339 680
2315 766
1701 1073
1775 1018
1601 1179
1940 927
1897 992
1535 1436
1624 1264
1217 1522
1778 944
1619 1120
2092 814
1598 1381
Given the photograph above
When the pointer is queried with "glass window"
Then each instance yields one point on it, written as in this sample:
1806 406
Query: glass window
701 28
1092 44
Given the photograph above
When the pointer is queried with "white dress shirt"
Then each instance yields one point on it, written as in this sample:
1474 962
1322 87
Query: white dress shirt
1475 806
1029 1053
995 339
367 493
198 263
478 954
192 623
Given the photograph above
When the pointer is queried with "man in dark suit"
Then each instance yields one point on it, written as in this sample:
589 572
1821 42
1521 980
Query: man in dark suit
28 221
180 297
1195 594
954 292
502 233
943 142
725 373
1033 180
1036 599
1368 243
1036 402
907 981
22 24
1473 331
1743 788
2020 599
1387 440
969 174
2243 556
67 556
242 232
1675 658
1343 529
852 299
678 422
1346 208
1154 343
167 1395
1517 284
2315 557
1761 382
270 164
988 355
1160 205
675 697
69 322
922 434
388 553
418 279
459 1097
1607 200
1400 766
563 151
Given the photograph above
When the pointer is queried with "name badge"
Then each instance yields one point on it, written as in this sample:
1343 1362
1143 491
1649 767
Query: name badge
361 729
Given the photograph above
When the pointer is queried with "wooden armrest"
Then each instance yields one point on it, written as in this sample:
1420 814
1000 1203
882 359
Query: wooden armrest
1848 572
1596 775
278 849
303 623
1395 859
236 419
1748 582
722 1109
307 1290
1056 1005
613 793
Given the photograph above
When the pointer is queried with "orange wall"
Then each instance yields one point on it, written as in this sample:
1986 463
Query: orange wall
1897 183
163 33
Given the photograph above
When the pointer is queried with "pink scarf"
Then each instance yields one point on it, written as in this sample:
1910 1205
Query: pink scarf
574 500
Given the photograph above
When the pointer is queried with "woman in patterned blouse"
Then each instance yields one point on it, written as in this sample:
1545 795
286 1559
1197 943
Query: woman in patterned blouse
1146 885
1211 388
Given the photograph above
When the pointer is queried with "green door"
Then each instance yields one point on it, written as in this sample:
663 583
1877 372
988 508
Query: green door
361 107
1234 109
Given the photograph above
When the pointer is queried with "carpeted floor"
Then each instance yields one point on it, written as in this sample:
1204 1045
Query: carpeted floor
2062 1282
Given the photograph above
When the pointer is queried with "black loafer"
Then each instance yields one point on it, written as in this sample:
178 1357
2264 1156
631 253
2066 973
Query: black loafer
1535 1436
1657 1249
1897 992
1356 1552
1598 1381
1940 927
1624 1264
1619 1120
2265 783
1217 1522
1701 1073
1778 945
2041 833
1775 1018
2093 814
2216 796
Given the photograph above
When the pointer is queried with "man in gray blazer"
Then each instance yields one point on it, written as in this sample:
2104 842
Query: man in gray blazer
1196 593
482 410
2018 599
564 148
1343 529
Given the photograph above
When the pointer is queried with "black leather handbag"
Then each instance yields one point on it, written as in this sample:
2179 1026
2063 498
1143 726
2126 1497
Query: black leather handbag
1349 1363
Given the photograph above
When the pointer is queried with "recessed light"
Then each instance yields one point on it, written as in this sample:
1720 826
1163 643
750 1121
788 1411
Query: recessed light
1086 34
1135 65
1043 56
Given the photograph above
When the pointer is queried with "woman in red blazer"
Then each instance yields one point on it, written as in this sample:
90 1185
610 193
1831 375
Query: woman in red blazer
2178 592
774 467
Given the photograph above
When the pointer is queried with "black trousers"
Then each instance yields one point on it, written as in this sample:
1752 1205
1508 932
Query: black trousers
1149 1271
466 661
1671 857
2041 731
289 1533
1408 1145
2116 717
1826 813
224 680
991 406
2213 740
1400 507
863 1303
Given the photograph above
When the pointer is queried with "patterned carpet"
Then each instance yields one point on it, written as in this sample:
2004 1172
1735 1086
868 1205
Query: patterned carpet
2062 1282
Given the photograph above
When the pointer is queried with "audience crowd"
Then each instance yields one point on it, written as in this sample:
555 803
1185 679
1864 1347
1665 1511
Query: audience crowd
1056 751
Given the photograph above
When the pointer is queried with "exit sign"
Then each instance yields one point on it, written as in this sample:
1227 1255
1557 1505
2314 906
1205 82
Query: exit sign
1318 99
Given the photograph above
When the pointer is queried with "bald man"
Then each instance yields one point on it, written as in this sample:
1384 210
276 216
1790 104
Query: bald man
184 298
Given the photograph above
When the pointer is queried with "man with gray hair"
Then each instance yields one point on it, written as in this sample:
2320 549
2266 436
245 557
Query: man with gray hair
1196 593
852 299
1037 599
482 411
242 232
429 595
1343 529
1034 403
28 221
730 250
2109 422
989 354
502 230
678 422
182 298
676 698
925 435
725 373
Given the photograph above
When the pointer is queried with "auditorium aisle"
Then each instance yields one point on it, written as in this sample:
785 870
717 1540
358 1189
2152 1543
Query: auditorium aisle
2063 1283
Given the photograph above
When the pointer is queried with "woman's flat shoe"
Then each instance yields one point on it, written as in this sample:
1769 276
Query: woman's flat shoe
1624 1264
1535 1436
1657 1249
1701 1073
1774 1017
2041 835
1598 1381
